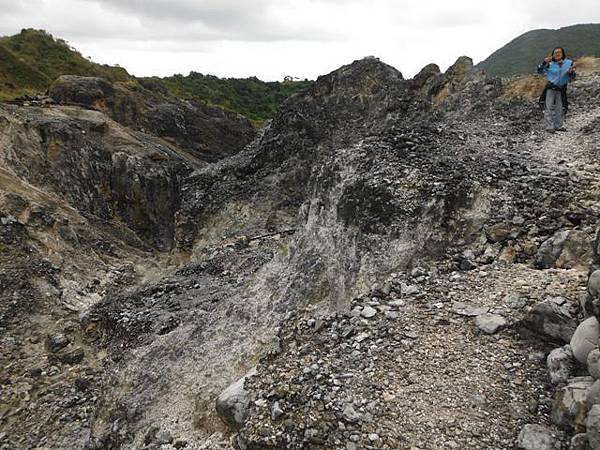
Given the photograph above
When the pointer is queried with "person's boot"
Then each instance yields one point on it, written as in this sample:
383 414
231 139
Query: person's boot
551 130
561 129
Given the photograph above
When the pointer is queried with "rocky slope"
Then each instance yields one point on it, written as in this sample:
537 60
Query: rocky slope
208 133
378 254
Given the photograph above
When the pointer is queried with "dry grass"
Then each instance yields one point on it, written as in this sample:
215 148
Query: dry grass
529 87
588 65
525 87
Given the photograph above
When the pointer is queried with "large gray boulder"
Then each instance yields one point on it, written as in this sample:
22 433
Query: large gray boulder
232 403
593 286
560 364
81 90
550 320
565 250
536 437
570 404
593 363
593 427
490 323
585 339
593 395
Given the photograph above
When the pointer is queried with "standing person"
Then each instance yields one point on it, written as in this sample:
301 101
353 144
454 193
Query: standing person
559 70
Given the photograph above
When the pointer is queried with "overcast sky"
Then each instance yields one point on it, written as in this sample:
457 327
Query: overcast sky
274 38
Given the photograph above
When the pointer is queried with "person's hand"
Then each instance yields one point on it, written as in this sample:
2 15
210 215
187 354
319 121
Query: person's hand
572 68
547 59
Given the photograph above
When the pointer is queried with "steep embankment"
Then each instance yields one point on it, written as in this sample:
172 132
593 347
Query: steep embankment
87 208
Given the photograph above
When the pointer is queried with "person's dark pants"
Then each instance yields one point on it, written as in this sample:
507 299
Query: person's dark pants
553 115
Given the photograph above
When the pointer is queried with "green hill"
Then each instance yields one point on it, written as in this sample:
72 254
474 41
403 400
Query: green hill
258 100
32 59
523 54
17 77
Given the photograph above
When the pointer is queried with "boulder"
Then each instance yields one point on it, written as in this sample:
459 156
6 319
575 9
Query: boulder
565 250
593 363
536 437
499 232
550 320
593 286
579 442
490 323
232 403
81 90
560 364
593 428
570 404
56 342
585 339
593 395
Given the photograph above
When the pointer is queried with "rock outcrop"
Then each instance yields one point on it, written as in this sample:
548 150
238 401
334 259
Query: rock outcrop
206 132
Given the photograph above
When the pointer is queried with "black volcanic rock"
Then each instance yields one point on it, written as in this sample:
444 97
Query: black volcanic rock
208 133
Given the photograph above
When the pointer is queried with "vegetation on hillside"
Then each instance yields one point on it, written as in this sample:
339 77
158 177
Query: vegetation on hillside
32 59
523 54
258 100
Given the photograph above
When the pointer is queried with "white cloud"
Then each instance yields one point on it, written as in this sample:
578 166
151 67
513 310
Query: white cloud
274 38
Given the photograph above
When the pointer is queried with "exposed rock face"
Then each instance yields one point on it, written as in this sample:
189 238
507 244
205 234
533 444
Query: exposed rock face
566 249
208 133
97 167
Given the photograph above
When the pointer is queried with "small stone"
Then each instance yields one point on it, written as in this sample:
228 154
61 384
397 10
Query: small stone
361 337
579 442
57 342
393 315
536 437
74 356
464 309
368 312
350 414
373 437
490 323
180 443
514 301
164 437
410 290
276 411
561 364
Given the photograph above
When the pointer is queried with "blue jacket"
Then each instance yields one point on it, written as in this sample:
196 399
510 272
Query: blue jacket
557 74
